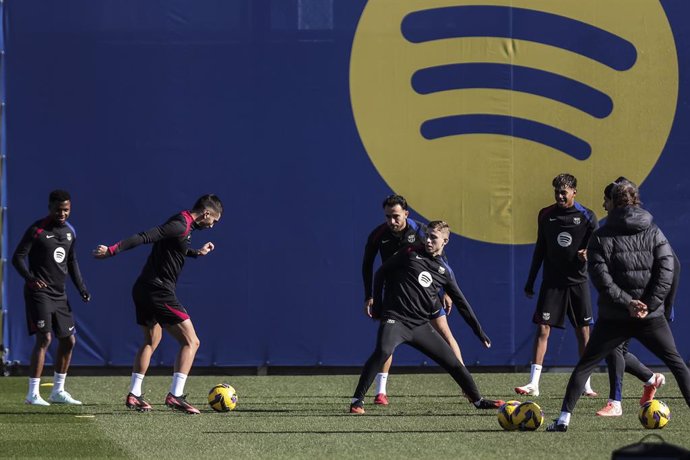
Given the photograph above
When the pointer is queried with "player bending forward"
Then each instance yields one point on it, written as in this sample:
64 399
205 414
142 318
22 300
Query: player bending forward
155 300
413 279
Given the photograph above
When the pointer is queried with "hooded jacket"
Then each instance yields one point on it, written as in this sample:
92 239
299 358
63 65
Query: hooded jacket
630 258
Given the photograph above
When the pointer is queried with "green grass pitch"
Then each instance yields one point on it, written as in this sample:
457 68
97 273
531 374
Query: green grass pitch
306 417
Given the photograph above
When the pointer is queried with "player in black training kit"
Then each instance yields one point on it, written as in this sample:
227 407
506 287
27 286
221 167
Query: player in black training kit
155 300
413 278
564 229
49 245
399 231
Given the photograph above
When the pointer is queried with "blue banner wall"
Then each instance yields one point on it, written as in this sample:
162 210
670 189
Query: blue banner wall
302 115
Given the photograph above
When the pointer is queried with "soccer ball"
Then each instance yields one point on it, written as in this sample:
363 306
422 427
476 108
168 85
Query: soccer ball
654 414
504 413
528 416
222 398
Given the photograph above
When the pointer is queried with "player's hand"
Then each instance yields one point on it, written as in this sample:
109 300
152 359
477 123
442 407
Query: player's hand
205 249
638 309
85 296
582 255
447 304
36 284
101 252
367 307
529 292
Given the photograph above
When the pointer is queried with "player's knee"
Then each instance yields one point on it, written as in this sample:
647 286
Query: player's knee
43 339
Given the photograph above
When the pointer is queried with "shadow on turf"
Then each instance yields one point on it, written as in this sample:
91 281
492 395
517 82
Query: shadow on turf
348 432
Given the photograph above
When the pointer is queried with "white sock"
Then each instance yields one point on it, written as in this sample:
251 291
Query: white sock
135 384
588 385
59 382
564 419
381 380
178 381
535 374
651 380
354 400
616 404
34 385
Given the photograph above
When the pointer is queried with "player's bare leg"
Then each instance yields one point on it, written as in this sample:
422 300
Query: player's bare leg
38 359
582 334
62 361
142 360
380 381
186 336
441 326
541 342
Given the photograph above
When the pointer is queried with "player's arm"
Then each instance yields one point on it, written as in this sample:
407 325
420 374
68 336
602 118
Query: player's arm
592 225
463 306
662 273
75 273
537 259
397 260
205 249
19 260
370 250
171 228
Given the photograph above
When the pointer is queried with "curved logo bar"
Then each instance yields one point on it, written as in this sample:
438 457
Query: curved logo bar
469 110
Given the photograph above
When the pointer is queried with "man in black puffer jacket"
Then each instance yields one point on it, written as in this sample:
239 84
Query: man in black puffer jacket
631 265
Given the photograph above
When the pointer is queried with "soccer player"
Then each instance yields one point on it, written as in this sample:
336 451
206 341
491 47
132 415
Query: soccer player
49 245
564 229
631 266
155 300
397 232
620 360
413 278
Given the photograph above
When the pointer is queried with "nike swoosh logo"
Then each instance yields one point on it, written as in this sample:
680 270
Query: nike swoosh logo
50 236
420 258
588 318
384 241
71 328
552 220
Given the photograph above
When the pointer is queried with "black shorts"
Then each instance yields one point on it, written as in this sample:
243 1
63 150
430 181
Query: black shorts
45 313
556 302
157 305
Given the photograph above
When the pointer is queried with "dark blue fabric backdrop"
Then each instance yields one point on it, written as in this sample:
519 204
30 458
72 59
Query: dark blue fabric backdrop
138 107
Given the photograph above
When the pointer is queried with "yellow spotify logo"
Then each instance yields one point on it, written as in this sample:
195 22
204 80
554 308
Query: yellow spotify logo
469 109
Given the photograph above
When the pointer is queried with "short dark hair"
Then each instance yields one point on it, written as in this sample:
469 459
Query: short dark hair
58 196
625 193
564 180
609 188
393 200
210 202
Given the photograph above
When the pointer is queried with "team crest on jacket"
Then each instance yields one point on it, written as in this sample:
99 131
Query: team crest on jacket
69 236
40 323
411 238
564 239
576 220
546 316
425 279
441 269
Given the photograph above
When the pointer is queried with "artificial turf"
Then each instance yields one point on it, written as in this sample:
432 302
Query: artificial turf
306 417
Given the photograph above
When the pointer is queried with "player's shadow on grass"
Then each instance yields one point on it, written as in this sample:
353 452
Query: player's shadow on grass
347 432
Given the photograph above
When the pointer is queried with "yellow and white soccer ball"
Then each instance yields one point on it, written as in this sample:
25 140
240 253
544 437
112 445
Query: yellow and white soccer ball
654 414
504 415
528 416
222 398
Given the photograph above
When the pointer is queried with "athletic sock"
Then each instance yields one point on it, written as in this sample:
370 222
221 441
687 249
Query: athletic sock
135 384
564 419
354 401
34 385
616 404
178 381
59 382
381 380
651 380
535 374
588 385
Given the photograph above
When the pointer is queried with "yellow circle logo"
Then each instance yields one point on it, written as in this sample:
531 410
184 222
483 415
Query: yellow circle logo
469 110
